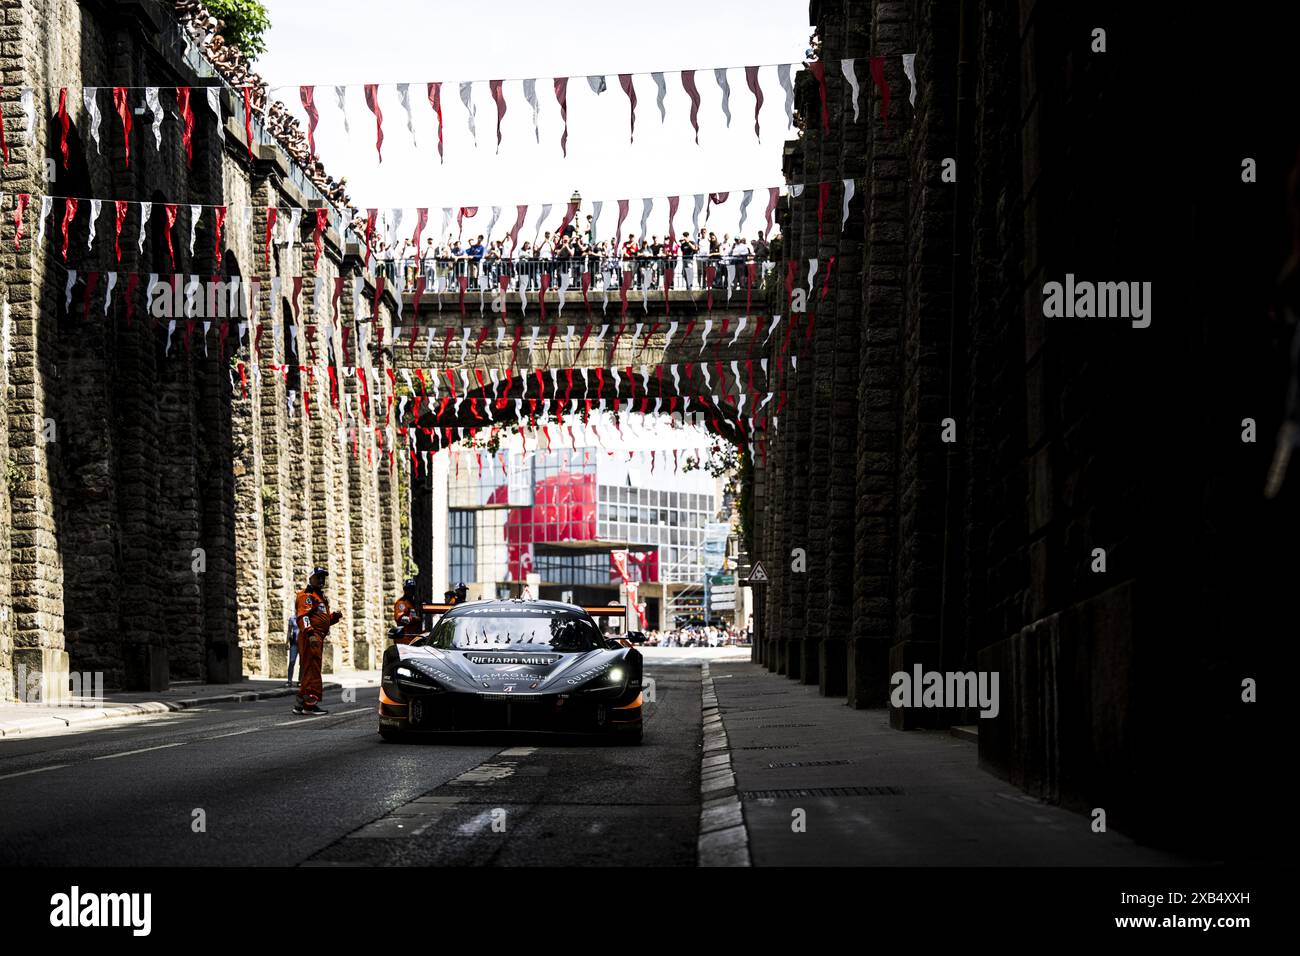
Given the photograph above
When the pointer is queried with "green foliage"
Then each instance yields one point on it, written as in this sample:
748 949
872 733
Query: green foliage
246 24
13 475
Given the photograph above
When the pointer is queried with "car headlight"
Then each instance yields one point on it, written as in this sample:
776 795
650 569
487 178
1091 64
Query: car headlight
411 672
616 675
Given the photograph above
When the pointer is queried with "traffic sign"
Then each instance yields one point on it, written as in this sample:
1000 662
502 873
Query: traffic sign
757 574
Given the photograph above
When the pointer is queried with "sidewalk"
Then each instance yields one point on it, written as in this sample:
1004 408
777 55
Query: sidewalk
18 718
873 796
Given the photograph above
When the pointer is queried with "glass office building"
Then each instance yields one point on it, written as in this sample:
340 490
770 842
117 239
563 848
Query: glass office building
566 515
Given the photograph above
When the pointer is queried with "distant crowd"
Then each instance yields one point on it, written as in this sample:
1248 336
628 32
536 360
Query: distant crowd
572 253
721 635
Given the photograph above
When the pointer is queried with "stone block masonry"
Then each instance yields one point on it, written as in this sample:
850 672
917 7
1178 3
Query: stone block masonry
162 533
977 553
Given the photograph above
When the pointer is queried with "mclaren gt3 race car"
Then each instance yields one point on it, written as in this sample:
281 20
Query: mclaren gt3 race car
514 665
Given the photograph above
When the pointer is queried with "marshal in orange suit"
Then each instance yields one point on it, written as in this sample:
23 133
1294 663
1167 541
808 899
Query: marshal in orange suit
312 609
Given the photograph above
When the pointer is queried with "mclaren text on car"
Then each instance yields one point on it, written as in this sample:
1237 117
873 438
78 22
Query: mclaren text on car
515 665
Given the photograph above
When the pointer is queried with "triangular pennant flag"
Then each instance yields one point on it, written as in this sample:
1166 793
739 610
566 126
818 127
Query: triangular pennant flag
530 97
64 122
195 213
597 83
773 193
372 101
118 220
307 94
625 81
108 291
27 101
123 108
341 92
96 207
522 211
187 122
404 99
688 84
660 89
720 74
435 101
783 77
466 95
546 211
214 104
751 77
848 196
744 208
846 65
69 213
146 209
90 96
498 97
646 205
909 70
46 204
562 97
154 106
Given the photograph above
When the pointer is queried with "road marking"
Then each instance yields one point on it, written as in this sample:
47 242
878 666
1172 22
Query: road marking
142 750
518 752
251 730
304 718
23 773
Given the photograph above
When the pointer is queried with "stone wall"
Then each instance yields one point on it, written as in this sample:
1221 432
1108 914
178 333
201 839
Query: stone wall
163 532
1070 436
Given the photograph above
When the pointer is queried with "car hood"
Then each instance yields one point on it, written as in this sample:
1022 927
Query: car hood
526 672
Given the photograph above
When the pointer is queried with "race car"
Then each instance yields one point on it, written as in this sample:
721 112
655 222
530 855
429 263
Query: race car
512 665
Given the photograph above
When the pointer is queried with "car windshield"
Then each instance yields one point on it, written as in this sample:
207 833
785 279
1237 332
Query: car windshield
557 630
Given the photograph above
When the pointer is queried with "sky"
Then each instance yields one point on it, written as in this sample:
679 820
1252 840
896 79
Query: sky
329 42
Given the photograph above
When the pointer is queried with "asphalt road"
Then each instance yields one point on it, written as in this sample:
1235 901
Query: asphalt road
279 790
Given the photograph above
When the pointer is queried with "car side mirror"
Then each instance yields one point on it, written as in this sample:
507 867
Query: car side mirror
635 637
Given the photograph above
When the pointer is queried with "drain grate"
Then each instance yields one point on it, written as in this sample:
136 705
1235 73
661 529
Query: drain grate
769 747
809 763
774 726
821 792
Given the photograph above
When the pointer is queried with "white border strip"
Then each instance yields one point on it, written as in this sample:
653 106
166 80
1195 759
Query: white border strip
723 839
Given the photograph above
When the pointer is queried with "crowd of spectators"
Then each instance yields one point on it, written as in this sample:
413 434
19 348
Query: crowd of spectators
571 253
712 635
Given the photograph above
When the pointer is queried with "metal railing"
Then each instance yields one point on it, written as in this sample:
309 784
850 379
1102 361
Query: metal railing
443 274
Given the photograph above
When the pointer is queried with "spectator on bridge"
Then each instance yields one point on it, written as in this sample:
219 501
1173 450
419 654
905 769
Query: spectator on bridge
475 254
689 248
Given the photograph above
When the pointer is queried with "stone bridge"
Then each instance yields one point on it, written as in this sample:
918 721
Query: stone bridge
485 361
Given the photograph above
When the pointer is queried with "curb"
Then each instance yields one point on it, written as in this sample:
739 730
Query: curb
77 715
723 839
